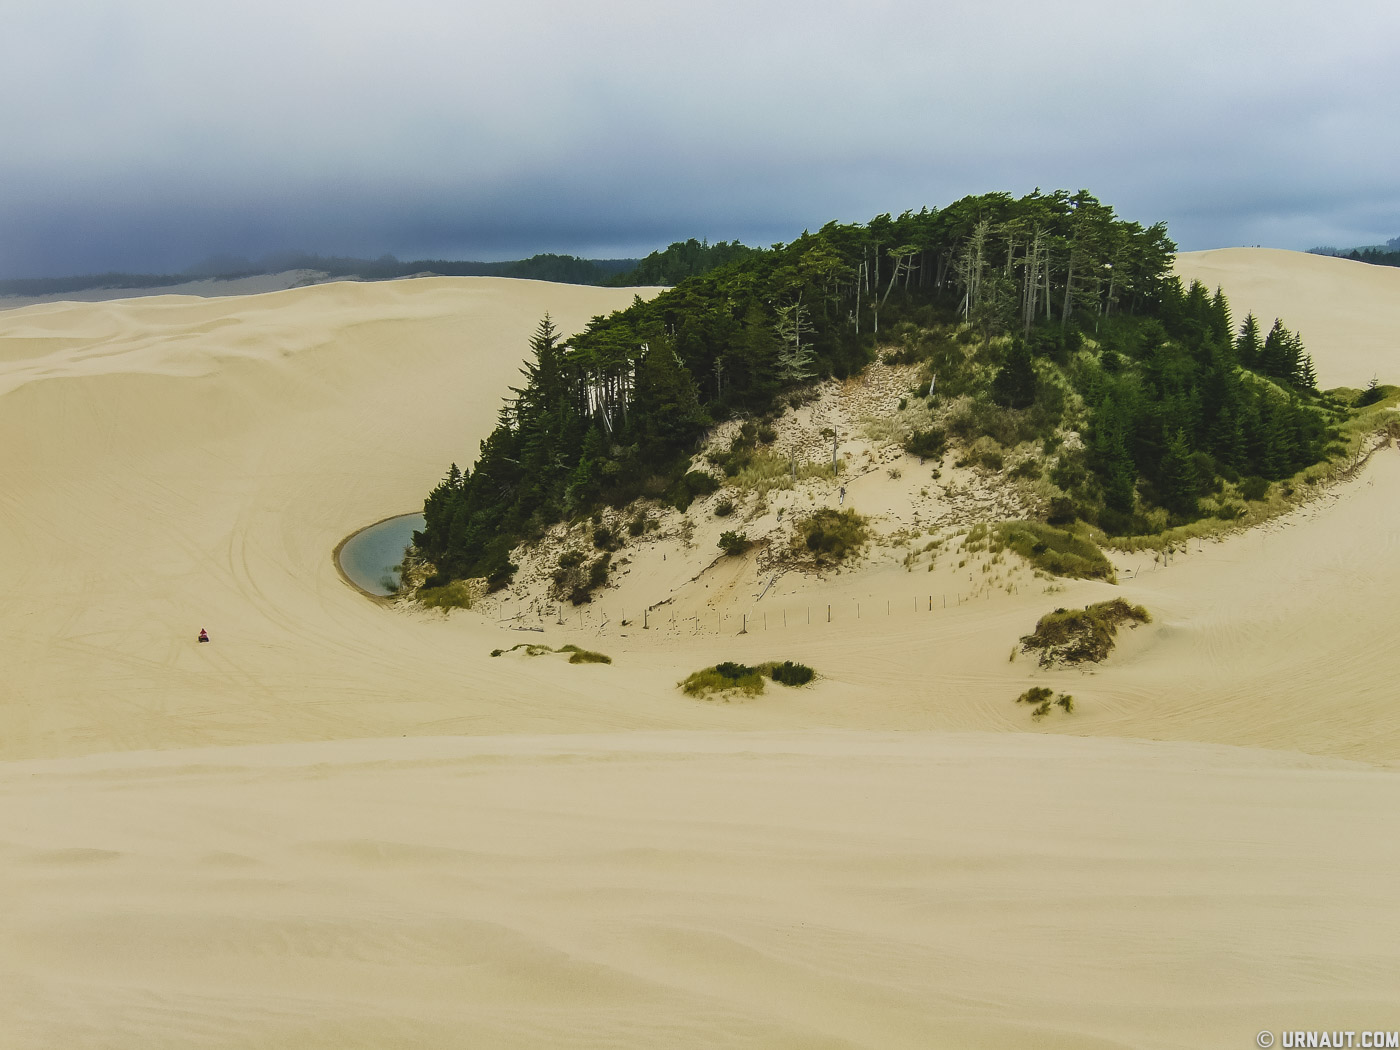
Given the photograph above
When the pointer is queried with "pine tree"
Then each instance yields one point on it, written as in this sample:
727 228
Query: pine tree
794 356
1178 476
1014 384
1249 345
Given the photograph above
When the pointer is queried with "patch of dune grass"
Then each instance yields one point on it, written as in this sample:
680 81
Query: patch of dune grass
584 656
576 655
731 677
1081 635
1060 551
455 595
767 471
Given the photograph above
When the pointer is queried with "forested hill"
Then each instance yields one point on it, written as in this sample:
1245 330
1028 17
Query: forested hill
1046 320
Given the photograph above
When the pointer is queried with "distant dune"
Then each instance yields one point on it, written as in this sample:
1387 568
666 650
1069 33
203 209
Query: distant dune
343 824
203 287
1348 313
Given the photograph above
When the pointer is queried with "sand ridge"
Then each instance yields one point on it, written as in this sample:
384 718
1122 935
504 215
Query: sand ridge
343 824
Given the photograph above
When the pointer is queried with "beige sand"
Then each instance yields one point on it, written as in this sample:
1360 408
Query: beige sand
1348 313
346 825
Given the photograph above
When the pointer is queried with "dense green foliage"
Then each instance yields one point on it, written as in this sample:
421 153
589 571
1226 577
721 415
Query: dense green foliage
681 260
1030 315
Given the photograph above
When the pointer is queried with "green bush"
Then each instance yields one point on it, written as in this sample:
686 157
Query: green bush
1254 489
637 525
724 508
930 443
831 535
733 542
690 487
789 673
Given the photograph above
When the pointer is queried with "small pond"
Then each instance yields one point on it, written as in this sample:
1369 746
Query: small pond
368 557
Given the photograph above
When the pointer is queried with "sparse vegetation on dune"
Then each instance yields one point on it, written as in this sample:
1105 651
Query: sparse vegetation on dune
1042 699
576 654
1081 635
731 677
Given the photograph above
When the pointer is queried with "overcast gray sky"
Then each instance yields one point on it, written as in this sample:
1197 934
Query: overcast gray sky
148 135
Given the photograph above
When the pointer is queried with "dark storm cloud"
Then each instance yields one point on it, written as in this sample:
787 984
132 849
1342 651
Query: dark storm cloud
143 135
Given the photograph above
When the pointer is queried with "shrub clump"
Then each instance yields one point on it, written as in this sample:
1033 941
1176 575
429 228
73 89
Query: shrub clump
1085 635
733 542
1042 699
730 677
829 536
931 443
690 487
724 508
1061 551
789 673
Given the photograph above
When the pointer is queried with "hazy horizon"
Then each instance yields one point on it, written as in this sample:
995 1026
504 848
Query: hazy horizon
152 137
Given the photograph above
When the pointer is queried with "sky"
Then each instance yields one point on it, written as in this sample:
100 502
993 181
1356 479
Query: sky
149 135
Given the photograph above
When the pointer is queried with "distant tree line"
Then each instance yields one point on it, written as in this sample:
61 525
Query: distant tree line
562 269
1387 254
681 260
1025 307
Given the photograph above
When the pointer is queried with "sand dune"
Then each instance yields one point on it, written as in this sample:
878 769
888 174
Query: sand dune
344 824
1348 313
679 890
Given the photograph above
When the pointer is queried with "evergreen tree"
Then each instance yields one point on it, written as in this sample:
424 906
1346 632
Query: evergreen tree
1014 384
1249 346
1178 477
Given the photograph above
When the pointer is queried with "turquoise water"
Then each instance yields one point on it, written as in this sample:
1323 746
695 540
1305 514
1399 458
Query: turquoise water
370 555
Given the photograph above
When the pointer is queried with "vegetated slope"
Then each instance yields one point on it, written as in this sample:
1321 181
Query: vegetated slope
1045 318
